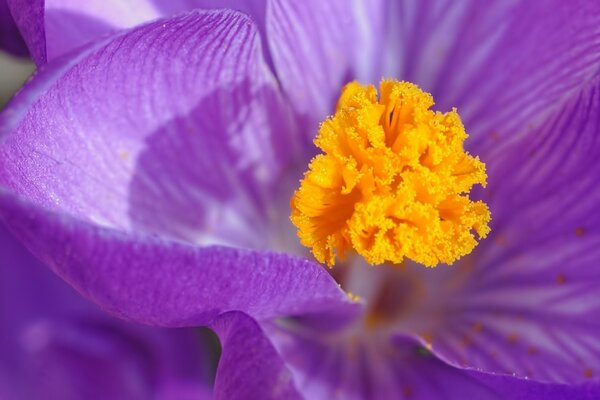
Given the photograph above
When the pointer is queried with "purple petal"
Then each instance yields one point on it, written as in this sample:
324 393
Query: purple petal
176 128
28 292
503 64
29 17
160 282
10 38
534 289
56 27
255 9
185 392
53 28
522 389
318 46
55 344
102 360
525 79
358 363
249 368
524 304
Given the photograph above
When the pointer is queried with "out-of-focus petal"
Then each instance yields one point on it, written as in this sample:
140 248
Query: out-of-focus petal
362 364
54 344
28 291
523 389
503 64
10 38
185 392
317 46
250 367
104 360
56 27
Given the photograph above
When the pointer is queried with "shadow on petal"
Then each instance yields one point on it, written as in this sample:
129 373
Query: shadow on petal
211 176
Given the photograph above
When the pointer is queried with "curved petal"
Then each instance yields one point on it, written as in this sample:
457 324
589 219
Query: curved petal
160 282
56 27
361 364
318 46
503 64
10 38
176 128
250 367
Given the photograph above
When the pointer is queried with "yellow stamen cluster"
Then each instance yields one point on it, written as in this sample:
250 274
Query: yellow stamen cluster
392 182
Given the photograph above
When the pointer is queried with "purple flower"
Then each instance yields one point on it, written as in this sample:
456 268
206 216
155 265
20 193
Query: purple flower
152 169
56 345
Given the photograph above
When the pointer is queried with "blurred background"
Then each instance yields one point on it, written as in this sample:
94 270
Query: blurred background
13 72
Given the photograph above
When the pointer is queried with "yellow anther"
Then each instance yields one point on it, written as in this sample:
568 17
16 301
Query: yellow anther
353 297
393 181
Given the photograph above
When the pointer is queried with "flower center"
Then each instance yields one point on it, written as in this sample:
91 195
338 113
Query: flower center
392 182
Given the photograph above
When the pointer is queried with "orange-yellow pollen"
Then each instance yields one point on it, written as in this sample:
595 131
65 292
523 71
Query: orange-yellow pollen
393 181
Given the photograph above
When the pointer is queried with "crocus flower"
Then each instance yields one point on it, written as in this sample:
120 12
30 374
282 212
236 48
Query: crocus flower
151 166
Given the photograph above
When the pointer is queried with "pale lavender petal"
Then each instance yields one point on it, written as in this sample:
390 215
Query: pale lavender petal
504 64
10 38
250 367
317 46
